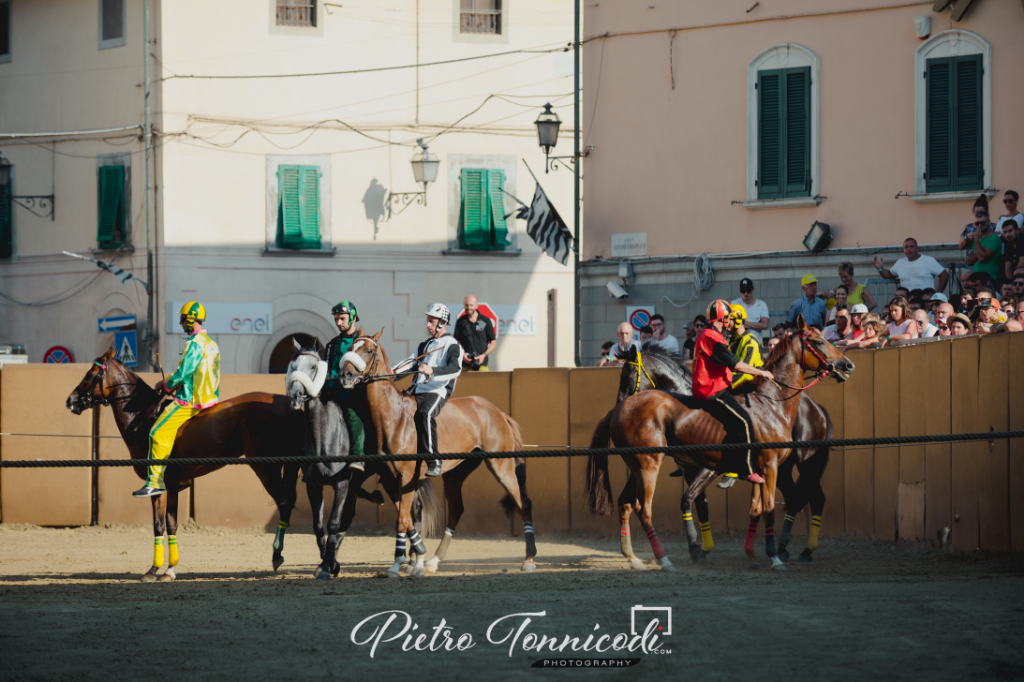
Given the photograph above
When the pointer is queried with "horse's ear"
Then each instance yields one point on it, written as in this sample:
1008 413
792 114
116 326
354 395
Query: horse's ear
298 346
376 337
318 347
110 353
801 324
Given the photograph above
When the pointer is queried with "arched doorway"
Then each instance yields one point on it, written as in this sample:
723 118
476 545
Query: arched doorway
284 351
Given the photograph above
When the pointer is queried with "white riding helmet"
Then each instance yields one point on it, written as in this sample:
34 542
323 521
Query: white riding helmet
440 311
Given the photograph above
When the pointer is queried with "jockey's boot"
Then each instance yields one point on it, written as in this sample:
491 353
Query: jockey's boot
433 468
728 480
357 466
677 473
146 491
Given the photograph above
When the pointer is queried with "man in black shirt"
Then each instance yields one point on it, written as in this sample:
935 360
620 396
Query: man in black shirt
475 334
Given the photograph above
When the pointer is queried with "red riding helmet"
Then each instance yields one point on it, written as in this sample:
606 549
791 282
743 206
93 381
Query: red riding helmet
719 310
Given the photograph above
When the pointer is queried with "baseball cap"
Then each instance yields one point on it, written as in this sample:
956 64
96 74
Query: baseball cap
746 283
986 303
939 297
858 309
808 279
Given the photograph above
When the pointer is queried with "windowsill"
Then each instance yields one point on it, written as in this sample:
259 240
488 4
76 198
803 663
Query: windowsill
798 202
319 253
950 197
113 250
470 252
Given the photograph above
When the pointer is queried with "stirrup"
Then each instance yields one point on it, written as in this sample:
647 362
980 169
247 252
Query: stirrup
357 466
434 468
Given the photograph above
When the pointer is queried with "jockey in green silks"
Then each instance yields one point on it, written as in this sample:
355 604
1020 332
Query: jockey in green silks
345 317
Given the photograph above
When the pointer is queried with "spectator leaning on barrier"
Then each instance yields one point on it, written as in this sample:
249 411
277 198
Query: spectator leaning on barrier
991 319
475 333
661 335
926 329
857 293
607 359
901 325
914 271
809 305
756 309
842 330
959 325
943 312
986 249
625 342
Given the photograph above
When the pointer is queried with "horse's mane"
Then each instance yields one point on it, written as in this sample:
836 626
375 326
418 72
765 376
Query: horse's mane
140 383
656 350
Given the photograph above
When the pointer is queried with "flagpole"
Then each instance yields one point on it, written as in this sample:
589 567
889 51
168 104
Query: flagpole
576 201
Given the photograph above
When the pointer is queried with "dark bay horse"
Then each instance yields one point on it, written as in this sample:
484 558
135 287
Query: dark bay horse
463 425
254 424
653 418
652 367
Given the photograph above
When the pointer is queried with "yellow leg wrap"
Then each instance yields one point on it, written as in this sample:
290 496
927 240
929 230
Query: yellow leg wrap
282 524
705 533
812 539
687 516
172 550
158 553
790 518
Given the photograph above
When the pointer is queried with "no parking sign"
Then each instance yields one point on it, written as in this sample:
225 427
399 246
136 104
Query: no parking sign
639 316
58 355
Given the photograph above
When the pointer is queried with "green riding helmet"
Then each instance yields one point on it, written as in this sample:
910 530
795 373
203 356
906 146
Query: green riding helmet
344 307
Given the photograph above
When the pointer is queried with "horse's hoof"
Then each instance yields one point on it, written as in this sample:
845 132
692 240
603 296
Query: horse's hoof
669 568
335 569
697 556
317 571
377 498
418 572
149 578
166 578
277 561
431 565
805 559
755 566
779 567
637 565
529 567
393 574
321 574
783 555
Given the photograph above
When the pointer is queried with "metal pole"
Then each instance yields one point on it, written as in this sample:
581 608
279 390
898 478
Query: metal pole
148 140
576 201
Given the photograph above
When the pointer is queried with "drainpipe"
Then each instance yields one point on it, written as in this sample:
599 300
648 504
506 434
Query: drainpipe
576 171
148 139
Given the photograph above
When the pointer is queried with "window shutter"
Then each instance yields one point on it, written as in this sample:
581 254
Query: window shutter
769 134
798 132
939 125
475 209
309 206
110 231
495 183
967 143
6 240
288 206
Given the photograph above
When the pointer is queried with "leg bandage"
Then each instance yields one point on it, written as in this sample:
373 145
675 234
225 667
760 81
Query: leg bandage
812 539
659 551
531 544
416 542
705 534
400 547
625 542
172 550
446 540
158 552
282 526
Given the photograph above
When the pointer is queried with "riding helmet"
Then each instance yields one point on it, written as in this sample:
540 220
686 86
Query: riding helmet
719 310
193 312
344 307
439 310
739 314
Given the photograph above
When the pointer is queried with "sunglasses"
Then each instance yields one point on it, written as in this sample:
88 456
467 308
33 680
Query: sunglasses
745 291
981 223
698 325
1018 283
1009 201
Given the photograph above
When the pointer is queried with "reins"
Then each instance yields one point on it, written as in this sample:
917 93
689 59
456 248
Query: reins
641 371
829 369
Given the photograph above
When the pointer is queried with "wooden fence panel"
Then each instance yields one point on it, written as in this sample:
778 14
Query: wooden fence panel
887 424
964 460
993 459
936 384
1015 402
592 392
831 396
859 465
914 401
540 403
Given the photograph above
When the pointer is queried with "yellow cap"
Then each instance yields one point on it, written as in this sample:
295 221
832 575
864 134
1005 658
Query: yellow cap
808 279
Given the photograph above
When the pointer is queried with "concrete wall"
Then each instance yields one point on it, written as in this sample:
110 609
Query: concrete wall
911 493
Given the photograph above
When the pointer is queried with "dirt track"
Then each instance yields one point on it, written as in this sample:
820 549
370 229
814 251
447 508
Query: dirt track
71 608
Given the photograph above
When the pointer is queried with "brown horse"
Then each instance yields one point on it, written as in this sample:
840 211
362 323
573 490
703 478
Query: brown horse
254 424
463 425
654 418
655 368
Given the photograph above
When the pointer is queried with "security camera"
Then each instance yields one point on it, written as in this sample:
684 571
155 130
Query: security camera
617 292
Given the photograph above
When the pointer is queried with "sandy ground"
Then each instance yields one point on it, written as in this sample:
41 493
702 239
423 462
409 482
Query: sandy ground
72 608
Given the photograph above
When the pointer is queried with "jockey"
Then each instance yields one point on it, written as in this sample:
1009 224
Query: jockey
440 363
345 317
746 346
195 385
712 376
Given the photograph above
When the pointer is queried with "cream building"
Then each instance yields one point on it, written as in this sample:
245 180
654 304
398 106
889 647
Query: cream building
271 194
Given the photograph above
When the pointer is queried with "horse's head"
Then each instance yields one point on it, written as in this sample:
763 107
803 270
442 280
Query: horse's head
306 374
91 390
818 355
362 360
651 367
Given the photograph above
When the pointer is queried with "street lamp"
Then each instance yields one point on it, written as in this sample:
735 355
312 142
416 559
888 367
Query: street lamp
28 199
424 170
548 124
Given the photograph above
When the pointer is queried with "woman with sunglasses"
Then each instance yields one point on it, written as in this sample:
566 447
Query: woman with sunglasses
1010 204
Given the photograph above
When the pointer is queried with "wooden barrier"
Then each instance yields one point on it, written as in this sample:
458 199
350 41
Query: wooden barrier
970 494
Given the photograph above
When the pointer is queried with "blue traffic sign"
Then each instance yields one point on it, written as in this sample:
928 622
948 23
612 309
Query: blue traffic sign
113 324
127 347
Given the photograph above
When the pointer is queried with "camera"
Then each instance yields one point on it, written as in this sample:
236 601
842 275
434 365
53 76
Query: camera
617 292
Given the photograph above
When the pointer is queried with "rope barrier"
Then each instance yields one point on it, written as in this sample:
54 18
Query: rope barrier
567 452
58 435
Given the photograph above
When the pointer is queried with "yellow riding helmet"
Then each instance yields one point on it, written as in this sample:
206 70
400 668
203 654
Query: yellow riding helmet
719 310
739 314
193 312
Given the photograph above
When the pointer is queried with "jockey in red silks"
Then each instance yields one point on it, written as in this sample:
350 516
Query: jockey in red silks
713 366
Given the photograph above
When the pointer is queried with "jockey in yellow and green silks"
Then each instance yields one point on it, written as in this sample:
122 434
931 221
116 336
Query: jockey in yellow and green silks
195 385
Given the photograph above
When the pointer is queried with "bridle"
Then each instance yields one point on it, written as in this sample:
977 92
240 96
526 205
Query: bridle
825 367
641 371
99 378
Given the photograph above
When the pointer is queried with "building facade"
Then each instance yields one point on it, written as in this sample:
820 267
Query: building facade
278 190
729 130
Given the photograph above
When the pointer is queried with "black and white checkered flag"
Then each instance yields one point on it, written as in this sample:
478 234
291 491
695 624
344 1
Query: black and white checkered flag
123 275
546 227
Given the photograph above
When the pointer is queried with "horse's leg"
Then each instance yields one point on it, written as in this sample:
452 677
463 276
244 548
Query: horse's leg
504 471
453 481
755 518
315 493
159 528
768 498
647 481
340 483
694 490
627 503
405 528
795 500
284 510
526 511
701 503
172 533
811 471
348 513
273 483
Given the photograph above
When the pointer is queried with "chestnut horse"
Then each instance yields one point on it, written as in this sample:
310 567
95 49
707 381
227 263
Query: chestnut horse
463 425
652 367
653 418
254 424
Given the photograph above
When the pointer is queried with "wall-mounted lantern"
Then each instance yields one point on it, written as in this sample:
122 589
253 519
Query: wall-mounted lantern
424 171
548 124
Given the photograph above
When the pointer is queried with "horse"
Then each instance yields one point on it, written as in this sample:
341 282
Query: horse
463 425
327 434
652 367
653 418
253 424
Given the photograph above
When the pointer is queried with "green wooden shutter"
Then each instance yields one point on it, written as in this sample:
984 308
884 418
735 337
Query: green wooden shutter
110 231
290 230
6 239
309 206
476 217
769 134
939 125
499 233
798 132
967 144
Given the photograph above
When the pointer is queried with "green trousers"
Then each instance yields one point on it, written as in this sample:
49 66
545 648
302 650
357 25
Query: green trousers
357 429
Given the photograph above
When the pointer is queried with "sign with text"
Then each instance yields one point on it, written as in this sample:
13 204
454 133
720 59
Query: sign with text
513 319
227 318
626 244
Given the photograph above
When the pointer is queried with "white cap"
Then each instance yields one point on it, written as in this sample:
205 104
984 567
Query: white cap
939 297
858 308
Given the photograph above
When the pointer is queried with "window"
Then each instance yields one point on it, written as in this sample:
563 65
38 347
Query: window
111 230
480 16
296 12
5 32
782 128
113 19
298 214
6 237
482 224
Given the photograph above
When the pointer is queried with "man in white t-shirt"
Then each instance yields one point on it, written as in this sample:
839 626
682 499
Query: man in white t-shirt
661 335
914 271
757 310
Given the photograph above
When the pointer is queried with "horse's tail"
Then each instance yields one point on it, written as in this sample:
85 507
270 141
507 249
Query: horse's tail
431 509
507 504
598 487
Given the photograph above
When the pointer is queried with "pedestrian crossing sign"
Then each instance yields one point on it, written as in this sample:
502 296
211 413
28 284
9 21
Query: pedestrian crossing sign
127 347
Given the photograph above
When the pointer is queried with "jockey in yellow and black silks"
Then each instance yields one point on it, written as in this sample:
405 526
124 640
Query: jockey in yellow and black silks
195 385
745 345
